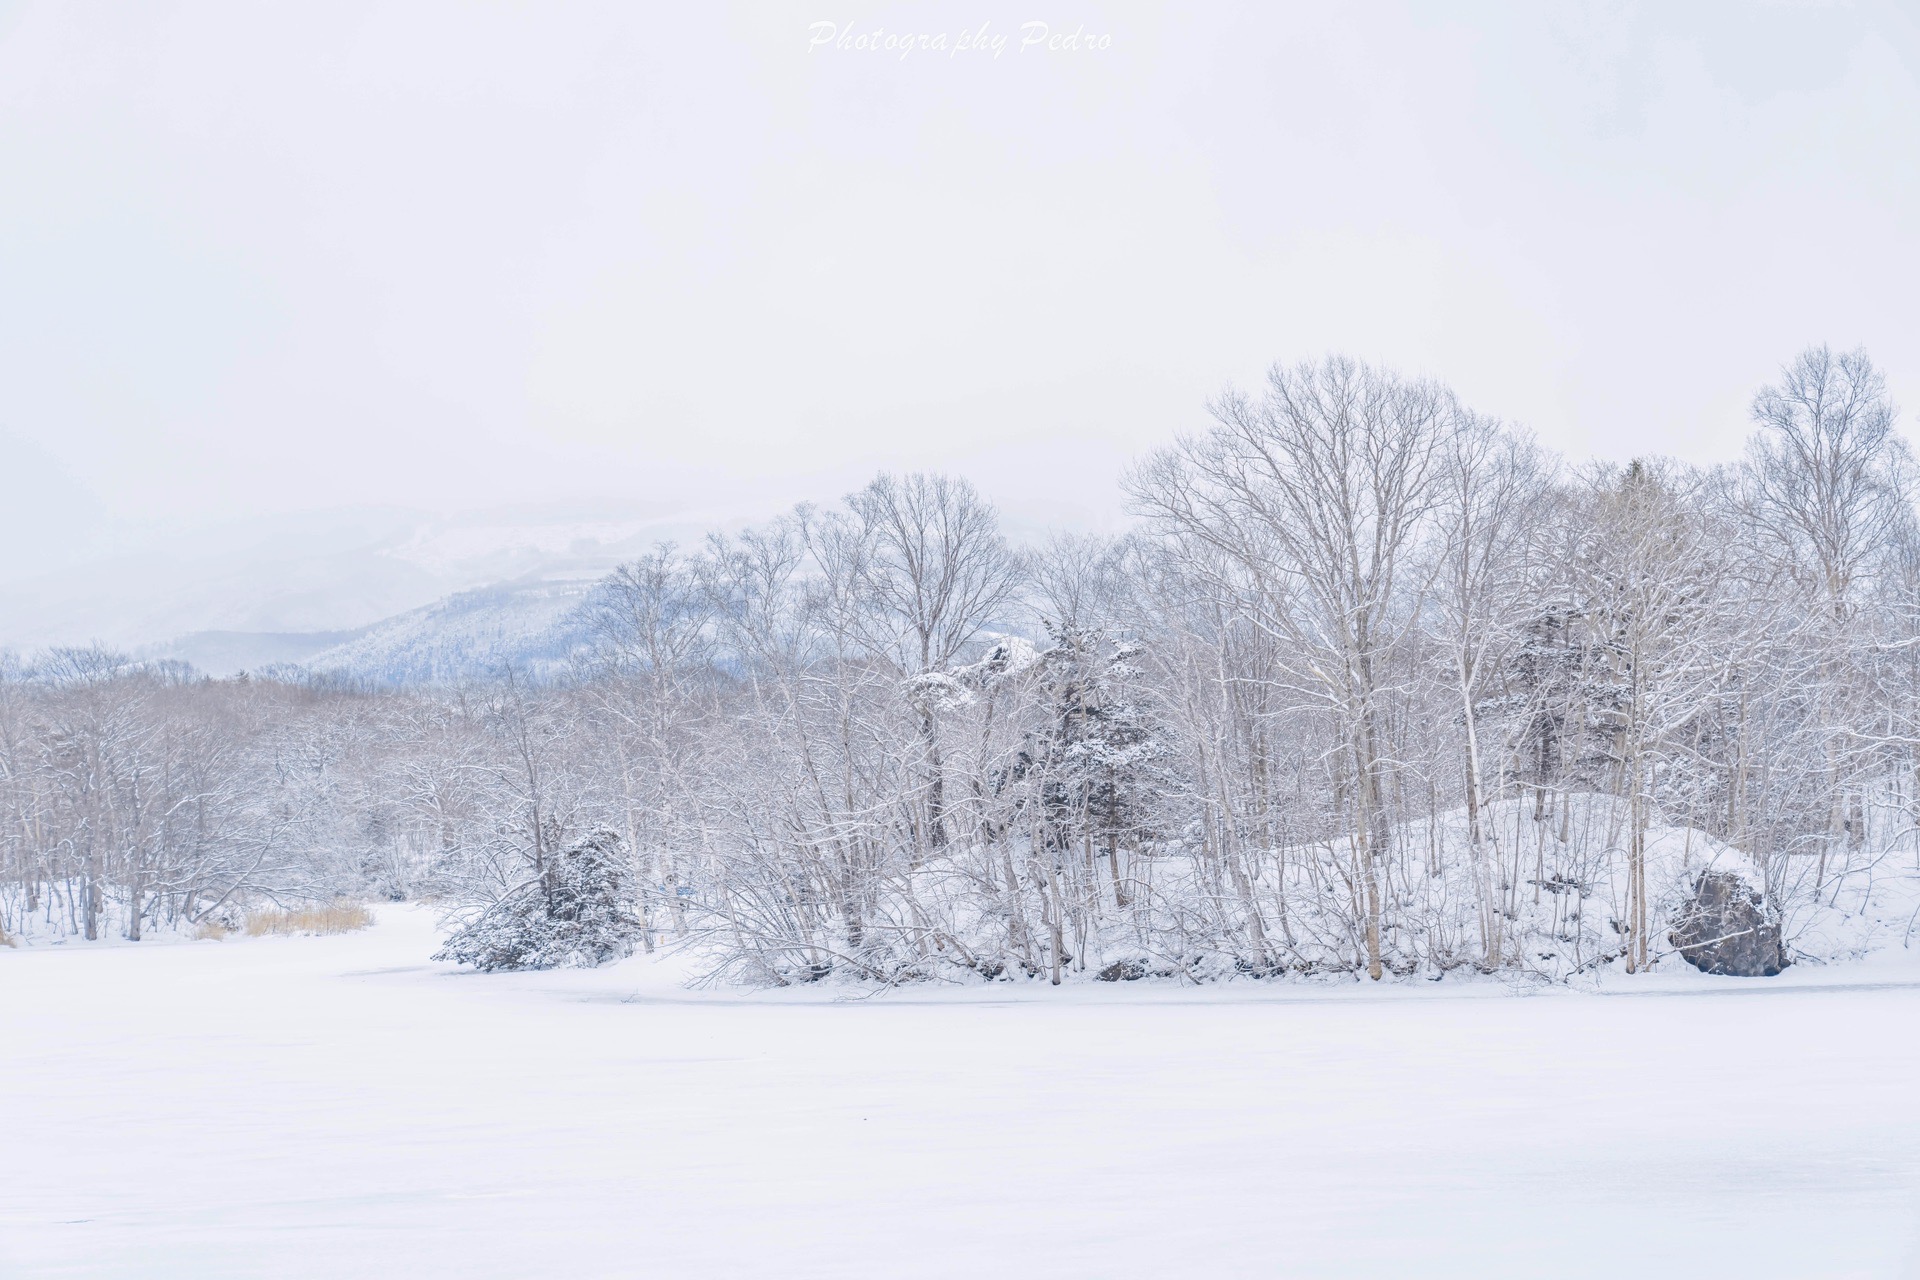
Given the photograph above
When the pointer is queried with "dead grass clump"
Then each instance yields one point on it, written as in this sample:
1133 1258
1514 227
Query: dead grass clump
6 939
210 931
340 917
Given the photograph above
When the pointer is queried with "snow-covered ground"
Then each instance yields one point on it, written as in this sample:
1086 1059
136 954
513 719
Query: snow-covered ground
341 1107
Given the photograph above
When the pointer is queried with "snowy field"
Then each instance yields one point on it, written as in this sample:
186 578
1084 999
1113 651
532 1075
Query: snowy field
341 1107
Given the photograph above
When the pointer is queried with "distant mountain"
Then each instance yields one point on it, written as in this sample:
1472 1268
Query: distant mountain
216 595
472 635
227 653
378 594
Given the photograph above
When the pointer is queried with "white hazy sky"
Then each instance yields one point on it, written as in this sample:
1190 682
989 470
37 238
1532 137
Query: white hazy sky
671 258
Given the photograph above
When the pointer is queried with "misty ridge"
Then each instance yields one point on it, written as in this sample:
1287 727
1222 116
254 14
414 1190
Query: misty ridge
1375 686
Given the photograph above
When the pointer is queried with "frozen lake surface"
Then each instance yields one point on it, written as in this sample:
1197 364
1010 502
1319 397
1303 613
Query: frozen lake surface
341 1107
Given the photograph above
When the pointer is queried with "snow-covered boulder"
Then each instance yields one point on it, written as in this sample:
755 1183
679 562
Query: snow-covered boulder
1725 928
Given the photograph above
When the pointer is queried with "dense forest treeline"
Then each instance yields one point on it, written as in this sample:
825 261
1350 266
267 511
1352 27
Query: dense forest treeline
1377 684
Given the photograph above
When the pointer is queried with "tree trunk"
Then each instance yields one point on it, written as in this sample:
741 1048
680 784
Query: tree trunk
1374 839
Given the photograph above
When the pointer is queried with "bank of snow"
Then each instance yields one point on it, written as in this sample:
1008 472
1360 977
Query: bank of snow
340 1107
1545 891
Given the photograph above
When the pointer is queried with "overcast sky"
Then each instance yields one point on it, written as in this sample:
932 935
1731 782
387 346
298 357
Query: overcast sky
684 259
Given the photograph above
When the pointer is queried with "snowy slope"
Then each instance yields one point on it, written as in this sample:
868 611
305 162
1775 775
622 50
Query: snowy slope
469 636
341 1107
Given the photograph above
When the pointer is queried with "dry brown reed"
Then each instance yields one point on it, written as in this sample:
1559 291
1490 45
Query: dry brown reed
338 917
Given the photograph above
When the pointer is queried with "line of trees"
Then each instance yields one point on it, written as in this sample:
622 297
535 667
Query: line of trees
1376 685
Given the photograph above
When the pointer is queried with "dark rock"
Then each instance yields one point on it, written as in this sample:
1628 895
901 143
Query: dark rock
790 975
1123 971
1725 928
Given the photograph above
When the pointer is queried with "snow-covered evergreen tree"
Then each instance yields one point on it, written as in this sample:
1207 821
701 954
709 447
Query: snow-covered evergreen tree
1096 764
578 912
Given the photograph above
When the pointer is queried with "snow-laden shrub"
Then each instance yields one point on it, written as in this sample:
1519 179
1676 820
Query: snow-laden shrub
577 913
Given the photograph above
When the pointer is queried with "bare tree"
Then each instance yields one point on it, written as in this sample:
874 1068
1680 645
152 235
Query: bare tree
652 678
1324 490
931 560
1825 491
1496 489
1662 635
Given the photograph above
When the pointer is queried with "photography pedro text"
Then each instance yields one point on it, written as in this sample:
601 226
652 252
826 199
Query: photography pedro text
1036 36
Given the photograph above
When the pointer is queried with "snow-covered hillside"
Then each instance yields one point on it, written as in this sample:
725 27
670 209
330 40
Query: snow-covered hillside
471 635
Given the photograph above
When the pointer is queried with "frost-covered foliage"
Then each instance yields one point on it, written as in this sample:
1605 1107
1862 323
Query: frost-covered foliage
1376 687
137 796
576 912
